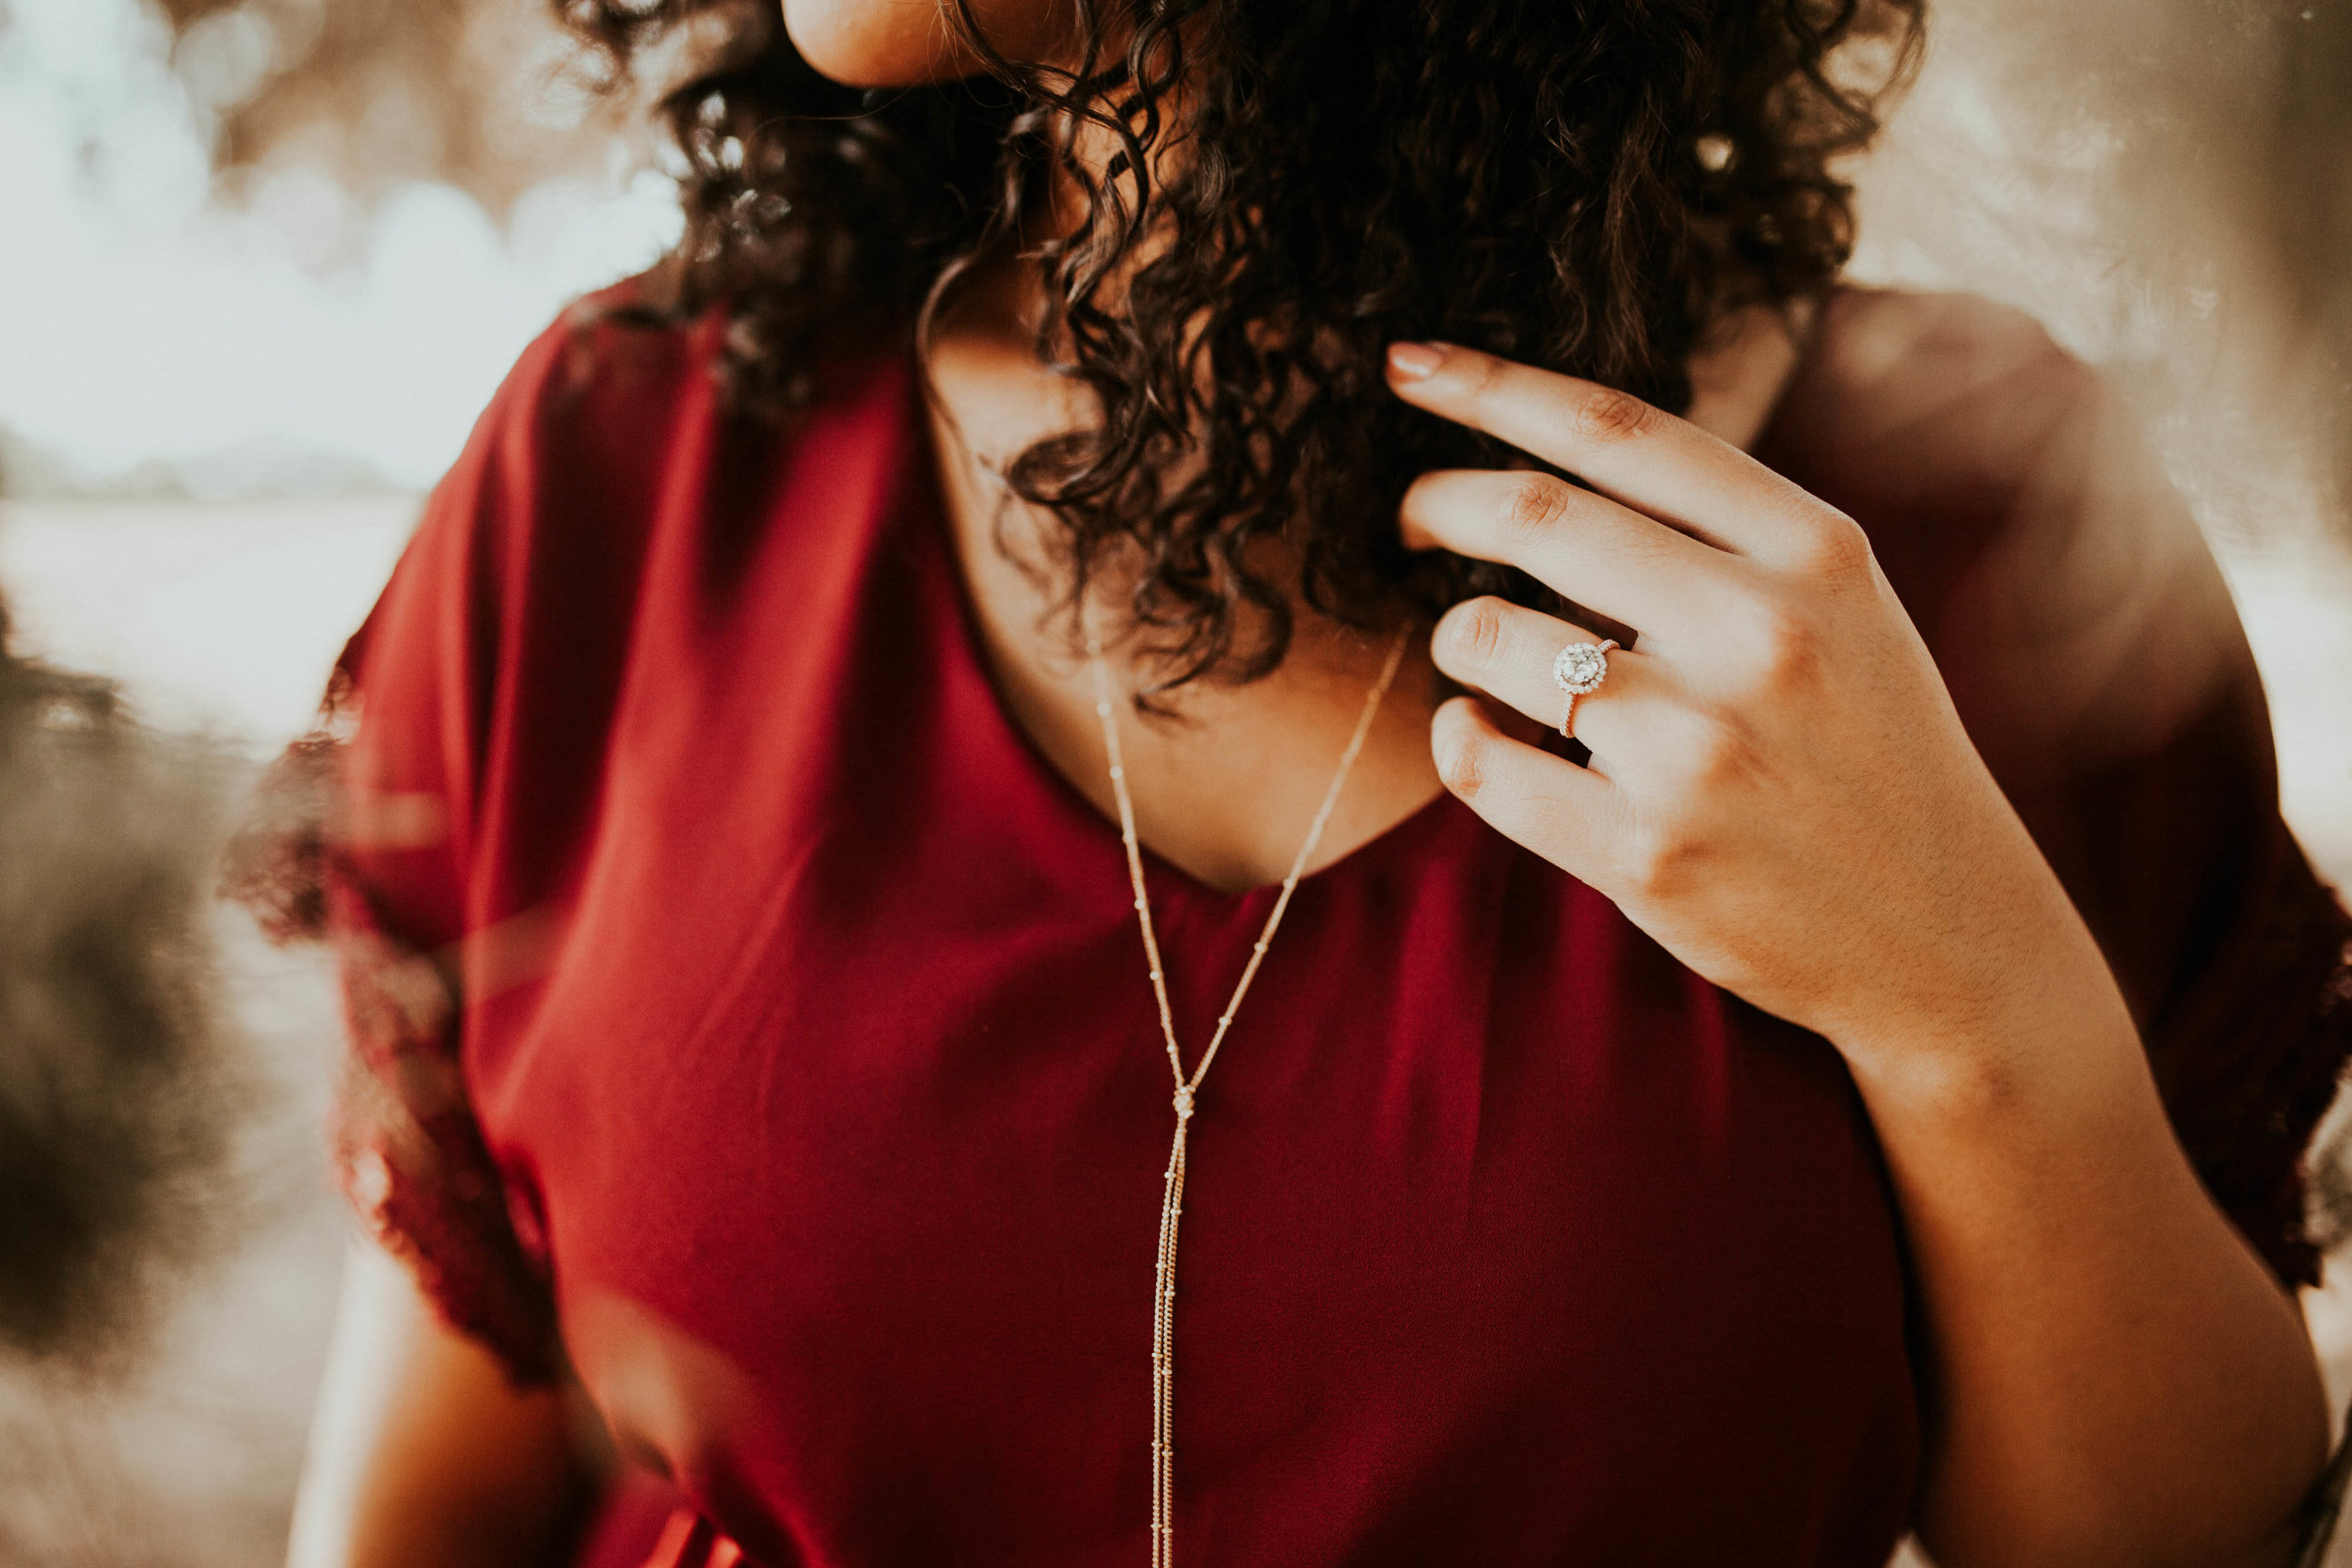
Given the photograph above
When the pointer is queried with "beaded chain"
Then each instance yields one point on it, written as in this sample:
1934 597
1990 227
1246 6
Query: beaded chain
1188 1087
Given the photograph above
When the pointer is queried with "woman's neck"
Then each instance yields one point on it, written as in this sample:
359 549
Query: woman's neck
1226 788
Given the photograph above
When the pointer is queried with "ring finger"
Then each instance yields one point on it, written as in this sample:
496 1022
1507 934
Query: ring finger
1507 652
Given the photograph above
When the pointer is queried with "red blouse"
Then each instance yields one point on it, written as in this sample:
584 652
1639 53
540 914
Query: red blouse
746 1013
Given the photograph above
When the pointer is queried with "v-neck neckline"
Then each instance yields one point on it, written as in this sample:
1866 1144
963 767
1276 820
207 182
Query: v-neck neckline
966 648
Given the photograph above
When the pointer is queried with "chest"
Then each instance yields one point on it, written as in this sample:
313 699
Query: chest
845 1108
851 1179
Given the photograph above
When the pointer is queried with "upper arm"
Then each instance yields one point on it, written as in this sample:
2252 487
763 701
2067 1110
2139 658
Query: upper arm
422 1451
480 694
425 831
2094 654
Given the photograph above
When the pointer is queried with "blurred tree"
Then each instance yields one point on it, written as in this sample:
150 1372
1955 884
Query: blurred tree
117 1089
2240 109
476 92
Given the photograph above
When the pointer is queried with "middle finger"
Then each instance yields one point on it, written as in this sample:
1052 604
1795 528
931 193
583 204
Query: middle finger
1584 547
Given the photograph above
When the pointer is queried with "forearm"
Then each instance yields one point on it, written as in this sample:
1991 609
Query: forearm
2116 1376
1783 794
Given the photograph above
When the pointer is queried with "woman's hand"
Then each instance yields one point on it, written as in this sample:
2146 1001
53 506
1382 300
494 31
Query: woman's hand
1781 792
1782 795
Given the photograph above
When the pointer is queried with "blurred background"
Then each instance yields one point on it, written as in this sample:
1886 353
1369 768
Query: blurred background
262 261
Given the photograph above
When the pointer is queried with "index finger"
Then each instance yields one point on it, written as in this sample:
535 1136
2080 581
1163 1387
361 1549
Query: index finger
1627 450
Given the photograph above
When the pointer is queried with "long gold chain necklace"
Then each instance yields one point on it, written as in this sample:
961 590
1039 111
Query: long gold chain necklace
1188 1085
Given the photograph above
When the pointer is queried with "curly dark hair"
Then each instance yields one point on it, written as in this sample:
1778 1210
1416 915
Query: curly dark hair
1589 186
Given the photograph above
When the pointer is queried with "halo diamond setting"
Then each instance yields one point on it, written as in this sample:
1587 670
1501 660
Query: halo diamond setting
1579 668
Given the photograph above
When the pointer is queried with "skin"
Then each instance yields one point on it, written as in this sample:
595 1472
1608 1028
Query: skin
1780 795
421 1452
1783 797
901 43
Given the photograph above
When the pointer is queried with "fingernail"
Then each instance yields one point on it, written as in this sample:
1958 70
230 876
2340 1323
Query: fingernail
1415 361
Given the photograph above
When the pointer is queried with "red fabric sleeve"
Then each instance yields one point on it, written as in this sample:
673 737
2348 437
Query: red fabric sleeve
360 842
349 844
2095 656
435 812
2235 959
2097 647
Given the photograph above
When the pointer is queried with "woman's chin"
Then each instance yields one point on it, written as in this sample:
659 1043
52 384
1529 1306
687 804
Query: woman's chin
877 43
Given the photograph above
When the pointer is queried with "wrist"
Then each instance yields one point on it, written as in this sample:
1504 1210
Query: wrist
2042 1027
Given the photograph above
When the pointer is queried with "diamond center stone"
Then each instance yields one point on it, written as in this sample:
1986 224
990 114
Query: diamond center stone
1579 668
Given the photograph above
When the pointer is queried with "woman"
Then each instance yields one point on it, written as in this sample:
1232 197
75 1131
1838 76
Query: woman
1682 952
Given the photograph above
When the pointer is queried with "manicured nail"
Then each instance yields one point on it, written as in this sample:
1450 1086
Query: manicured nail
1415 361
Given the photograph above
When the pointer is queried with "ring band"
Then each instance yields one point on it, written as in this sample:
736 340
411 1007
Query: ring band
1577 669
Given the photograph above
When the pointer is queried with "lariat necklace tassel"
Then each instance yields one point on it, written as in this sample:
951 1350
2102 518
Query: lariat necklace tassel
1164 1353
1187 1087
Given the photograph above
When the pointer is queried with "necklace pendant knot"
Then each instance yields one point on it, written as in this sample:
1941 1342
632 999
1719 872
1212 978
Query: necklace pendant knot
1172 1197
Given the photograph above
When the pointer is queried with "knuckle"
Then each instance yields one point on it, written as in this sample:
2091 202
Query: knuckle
1462 760
1533 505
1836 550
1478 631
1482 377
1604 414
1792 655
1785 648
1721 752
1658 862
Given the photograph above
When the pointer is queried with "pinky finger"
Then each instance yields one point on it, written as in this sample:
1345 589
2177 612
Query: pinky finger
1570 816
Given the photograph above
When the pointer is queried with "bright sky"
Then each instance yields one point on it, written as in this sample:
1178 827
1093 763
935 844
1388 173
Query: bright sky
141 323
